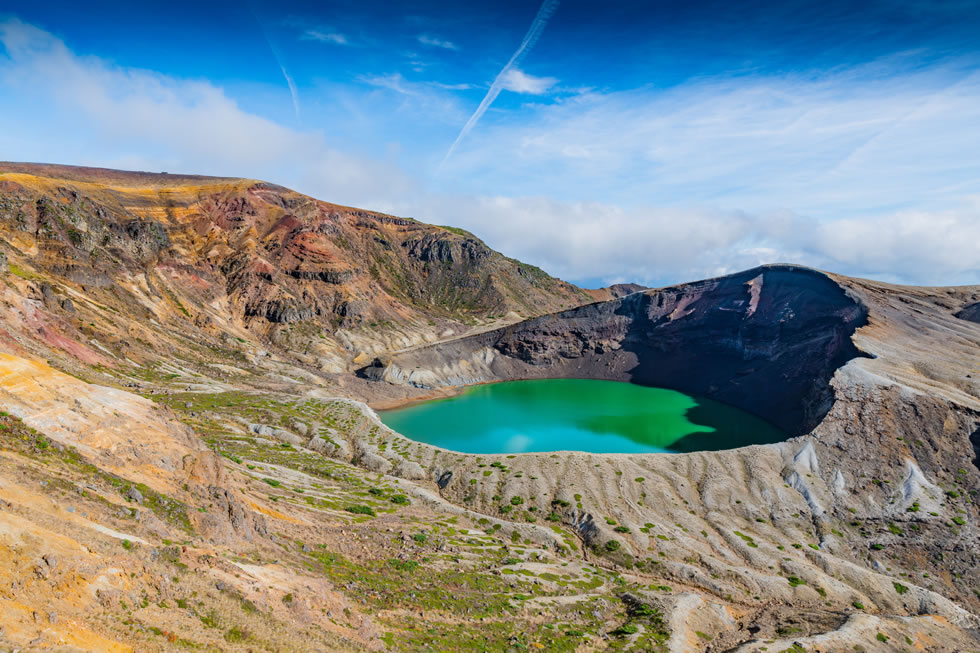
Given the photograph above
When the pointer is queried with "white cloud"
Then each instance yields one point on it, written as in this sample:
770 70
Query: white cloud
515 79
324 37
661 245
431 98
898 152
452 87
108 114
853 142
425 39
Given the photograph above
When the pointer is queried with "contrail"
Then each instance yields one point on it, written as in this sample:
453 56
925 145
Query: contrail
278 57
292 89
547 9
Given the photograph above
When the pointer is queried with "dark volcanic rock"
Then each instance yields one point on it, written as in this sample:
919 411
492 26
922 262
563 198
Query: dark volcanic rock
971 313
767 340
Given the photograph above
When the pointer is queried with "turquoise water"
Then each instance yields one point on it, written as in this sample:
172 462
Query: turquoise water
577 415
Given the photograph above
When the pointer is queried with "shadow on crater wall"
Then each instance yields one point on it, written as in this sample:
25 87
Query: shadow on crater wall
767 340
975 441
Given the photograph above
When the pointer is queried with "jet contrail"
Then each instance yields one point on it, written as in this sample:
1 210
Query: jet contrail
278 57
292 89
548 8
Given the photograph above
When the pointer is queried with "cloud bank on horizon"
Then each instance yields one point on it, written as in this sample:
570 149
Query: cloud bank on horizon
636 143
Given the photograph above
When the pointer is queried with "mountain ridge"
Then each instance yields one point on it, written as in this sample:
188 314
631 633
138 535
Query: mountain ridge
270 257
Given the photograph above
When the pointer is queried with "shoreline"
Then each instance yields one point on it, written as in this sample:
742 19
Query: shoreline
394 404
440 393
455 390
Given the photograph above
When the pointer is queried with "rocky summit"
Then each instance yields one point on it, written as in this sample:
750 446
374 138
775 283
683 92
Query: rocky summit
190 457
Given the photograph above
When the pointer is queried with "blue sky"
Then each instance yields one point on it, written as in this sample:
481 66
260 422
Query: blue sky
655 142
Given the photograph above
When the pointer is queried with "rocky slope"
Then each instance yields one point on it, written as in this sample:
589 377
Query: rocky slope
215 257
208 474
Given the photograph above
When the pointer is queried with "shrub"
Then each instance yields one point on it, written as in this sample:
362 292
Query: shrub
626 629
403 565
400 499
210 619
901 589
360 510
612 545
644 610
273 482
622 529
516 501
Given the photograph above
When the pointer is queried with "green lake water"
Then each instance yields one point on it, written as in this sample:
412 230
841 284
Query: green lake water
577 415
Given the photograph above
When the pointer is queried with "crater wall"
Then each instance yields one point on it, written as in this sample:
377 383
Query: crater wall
767 340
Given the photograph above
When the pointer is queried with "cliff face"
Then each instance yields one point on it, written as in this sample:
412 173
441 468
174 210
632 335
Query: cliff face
767 340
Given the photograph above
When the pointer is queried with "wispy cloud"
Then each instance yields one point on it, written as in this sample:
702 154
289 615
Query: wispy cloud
548 7
519 81
425 39
431 98
112 116
855 142
335 38
869 175
452 87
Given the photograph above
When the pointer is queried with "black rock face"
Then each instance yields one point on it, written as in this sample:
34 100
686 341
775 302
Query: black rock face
970 313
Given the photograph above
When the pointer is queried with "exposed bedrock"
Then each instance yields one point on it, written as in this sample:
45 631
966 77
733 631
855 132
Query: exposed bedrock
767 340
